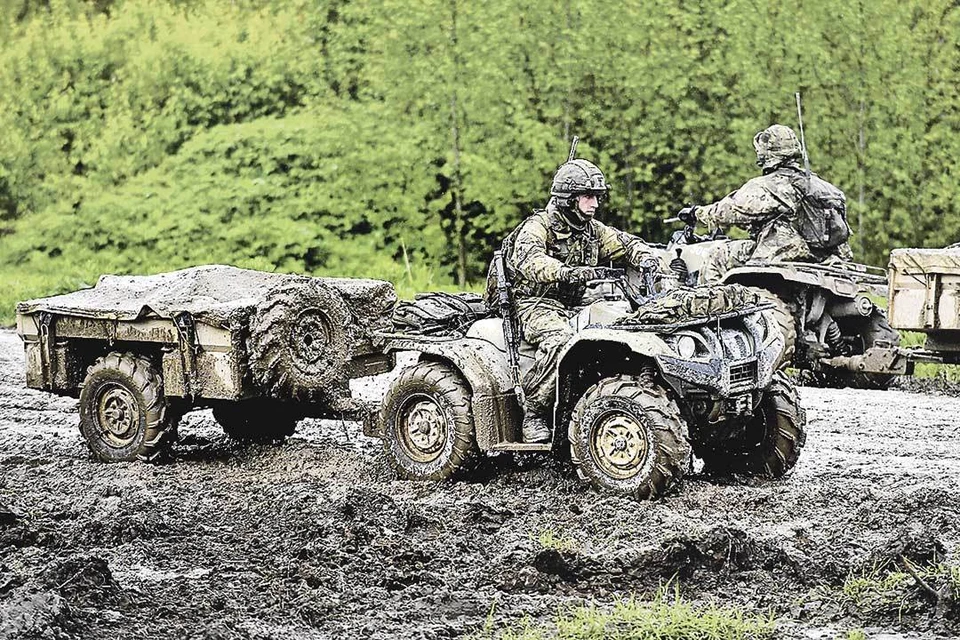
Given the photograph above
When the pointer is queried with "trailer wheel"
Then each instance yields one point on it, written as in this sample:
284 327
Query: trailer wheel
260 420
428 430
627 436
123 413
298 340
774 437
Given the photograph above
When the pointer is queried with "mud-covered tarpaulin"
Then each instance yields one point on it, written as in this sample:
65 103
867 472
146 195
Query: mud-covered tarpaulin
924 261
211 293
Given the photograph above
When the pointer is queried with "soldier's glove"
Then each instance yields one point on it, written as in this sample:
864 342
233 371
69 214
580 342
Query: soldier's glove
688 215
580 275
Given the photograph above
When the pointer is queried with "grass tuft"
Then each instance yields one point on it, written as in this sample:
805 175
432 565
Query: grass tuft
666 617
550 539
896 589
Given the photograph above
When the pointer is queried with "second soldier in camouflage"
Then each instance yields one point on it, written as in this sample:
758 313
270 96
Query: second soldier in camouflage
767 206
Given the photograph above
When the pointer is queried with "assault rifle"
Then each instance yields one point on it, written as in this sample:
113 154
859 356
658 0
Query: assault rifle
509 329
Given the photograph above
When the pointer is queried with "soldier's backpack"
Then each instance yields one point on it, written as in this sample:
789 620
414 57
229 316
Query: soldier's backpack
439 314
822 215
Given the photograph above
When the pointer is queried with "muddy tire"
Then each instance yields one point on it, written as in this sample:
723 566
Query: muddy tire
628 437
784 315
260 421
428 431
298 342
774 437
876 328
123 413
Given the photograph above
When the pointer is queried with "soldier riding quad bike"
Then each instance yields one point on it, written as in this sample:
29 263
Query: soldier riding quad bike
644 380
832 328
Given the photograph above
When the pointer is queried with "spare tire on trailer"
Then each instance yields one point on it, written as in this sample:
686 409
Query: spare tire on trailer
299 341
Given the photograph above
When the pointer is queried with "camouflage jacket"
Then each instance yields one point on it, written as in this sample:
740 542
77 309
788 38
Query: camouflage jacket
544 243
766 206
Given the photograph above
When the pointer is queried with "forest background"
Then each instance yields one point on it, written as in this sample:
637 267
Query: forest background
401 139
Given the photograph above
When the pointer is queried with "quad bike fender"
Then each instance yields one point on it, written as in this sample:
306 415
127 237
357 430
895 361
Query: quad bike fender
639 342
496 410
716 373
761 276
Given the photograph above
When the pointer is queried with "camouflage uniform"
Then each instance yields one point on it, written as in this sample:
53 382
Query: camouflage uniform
536 254
766 206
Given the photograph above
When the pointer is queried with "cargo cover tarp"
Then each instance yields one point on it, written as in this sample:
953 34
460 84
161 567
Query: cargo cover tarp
211 293
924 261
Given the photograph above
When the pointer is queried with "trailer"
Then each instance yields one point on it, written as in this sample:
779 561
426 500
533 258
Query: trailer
924 296
262 349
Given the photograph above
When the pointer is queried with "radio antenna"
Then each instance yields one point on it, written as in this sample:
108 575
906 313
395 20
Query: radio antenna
803 142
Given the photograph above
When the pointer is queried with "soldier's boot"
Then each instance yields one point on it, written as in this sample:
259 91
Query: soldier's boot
535 428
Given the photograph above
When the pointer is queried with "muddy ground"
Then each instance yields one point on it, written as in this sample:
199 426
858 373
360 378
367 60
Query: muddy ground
314 538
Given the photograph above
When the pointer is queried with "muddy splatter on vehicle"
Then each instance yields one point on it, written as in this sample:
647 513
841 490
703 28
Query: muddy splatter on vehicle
262 349
644 380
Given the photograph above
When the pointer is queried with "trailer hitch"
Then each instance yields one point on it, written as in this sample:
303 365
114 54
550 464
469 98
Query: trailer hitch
882 359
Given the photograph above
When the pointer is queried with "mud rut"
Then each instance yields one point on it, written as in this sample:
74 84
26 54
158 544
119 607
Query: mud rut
314 539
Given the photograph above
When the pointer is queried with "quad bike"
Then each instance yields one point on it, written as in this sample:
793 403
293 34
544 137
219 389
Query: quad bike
636 391
833 331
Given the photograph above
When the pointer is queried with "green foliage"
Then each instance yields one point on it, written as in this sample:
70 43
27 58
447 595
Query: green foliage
89 101
897 589
666 617
276 194
444 120
551 539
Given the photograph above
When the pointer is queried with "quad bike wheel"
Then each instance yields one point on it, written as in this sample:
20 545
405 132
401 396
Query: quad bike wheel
259 420
298 344
123 413
785 320
773 437
428 423
628 437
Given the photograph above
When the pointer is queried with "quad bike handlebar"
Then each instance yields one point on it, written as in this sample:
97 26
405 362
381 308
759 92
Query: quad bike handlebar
648 269
688 234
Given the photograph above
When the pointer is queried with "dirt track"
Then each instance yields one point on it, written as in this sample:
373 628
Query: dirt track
314 539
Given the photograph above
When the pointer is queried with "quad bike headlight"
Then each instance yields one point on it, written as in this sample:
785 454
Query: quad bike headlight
686 346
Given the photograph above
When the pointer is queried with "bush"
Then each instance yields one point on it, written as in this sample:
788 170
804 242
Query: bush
323 192
97 99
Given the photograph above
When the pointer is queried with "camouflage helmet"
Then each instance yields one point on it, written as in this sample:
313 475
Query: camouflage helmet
578 177
775 146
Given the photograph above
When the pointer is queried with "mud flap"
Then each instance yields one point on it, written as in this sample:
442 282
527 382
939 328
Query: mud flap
369 416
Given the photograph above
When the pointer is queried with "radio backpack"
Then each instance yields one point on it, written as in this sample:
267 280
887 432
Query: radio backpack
822 215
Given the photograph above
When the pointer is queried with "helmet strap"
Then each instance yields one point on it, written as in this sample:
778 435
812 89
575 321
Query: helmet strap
573 215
